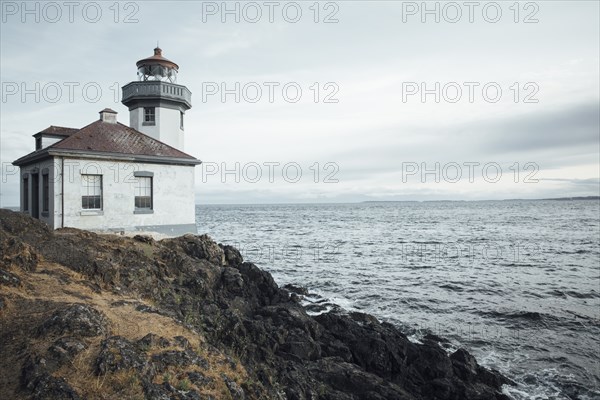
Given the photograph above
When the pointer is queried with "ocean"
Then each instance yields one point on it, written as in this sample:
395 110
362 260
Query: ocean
517 283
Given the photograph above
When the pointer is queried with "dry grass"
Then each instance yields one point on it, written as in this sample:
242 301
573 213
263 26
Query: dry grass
54 284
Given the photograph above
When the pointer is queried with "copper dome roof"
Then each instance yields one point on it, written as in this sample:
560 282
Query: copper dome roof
157 59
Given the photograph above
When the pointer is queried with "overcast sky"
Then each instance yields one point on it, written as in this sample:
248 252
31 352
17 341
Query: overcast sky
360 128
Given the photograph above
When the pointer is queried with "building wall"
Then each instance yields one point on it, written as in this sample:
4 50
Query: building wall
166 128
40 168
48 141
173 211
173 197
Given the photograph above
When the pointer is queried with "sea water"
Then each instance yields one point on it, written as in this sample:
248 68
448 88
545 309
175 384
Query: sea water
514 282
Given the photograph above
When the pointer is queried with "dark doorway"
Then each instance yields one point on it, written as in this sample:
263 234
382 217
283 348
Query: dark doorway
35 195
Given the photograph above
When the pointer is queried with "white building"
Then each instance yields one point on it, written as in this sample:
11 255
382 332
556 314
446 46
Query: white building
108 176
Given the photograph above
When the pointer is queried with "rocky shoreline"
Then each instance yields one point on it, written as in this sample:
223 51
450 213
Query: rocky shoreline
84 315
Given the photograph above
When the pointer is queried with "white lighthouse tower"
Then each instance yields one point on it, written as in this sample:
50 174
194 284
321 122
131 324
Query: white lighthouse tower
157 104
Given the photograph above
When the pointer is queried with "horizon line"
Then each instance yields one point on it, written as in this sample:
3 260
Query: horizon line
566 198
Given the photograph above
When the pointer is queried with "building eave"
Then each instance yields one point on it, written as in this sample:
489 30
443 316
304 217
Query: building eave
49 135
37 155
99 155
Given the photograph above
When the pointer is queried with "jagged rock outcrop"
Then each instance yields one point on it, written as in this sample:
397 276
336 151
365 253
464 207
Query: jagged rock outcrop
78 320
237 309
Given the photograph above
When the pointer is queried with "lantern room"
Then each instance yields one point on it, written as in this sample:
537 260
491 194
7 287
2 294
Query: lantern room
157 68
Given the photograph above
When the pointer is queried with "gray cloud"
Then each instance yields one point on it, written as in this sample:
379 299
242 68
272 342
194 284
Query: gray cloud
369 53
563 129
552 138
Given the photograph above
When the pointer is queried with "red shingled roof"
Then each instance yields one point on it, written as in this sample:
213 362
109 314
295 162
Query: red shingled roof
58 131
103 136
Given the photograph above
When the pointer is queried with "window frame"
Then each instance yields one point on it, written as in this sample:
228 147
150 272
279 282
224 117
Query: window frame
45 193
143 174
137 190
149 116
26 193
86 195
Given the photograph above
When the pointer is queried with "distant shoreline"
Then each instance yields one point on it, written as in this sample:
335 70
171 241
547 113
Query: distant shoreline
577 198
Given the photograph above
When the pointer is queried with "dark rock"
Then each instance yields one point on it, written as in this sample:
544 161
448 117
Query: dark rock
230 361
189 395
295 298
147 309
493 378
32 370
232 280
144 239
105 271
7 278
232 256
301 345
35 378
435 338
176 394
169 358
464 364
261 286
155 391
50 387
2 303
421 370
349 378
363 318
63 350
182 342
198 379
197 285
375 347
237 393
430 361
166 391
75 320
176 358
13 251
23 226
296 289
117 353
200 247
61 276
466 368
316 308
152 340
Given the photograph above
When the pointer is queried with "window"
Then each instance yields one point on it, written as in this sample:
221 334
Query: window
92 192
45 193
25 194
143 193
38 143
181 120
149 116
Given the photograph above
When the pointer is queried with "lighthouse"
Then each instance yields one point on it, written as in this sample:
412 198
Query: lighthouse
157 104
157 172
